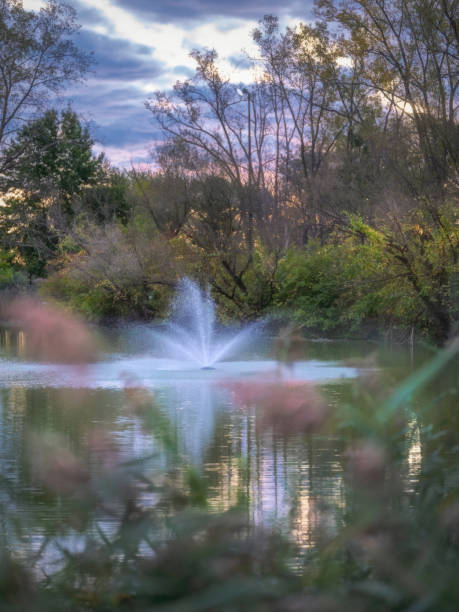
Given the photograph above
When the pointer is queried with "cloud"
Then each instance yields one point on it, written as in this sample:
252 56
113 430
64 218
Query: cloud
128 154
142 45
89 15
173 11
183 71
118 58
240 61
112 100
117 114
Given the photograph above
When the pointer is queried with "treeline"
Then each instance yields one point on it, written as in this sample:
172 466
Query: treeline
326 188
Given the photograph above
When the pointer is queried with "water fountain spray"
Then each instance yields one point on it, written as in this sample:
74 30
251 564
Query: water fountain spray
192 333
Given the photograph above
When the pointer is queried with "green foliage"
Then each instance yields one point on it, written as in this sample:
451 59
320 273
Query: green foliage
7 269
53 158
92 301
53 164
309 283
260 280
25 231
105 200
338 287
99 298
374 276
38 60
133 280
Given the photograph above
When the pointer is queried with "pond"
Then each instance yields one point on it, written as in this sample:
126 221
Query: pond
286 477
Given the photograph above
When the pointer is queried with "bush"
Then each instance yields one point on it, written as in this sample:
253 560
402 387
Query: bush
101 299
372 280
115 272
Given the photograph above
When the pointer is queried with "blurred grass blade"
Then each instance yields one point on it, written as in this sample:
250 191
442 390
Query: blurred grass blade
413 383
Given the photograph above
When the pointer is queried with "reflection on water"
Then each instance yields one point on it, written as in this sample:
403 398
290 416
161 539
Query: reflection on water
12 343
295 481
414 456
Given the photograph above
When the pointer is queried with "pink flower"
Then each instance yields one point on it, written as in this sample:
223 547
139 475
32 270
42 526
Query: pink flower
367 462
51 334
56 466
291 406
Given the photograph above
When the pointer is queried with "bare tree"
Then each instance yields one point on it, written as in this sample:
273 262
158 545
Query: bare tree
311 112
411 55
37 58
209 114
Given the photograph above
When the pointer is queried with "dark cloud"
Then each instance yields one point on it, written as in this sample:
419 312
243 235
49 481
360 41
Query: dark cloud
119 58
117 117
240 60
180 10
87 15
183 71
112 100
114 134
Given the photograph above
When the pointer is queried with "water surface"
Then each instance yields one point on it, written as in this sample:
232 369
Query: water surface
287 479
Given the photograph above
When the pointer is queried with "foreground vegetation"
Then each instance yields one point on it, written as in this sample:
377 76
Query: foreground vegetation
326 188
141 534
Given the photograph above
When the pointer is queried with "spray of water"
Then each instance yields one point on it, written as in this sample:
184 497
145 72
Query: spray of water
192 333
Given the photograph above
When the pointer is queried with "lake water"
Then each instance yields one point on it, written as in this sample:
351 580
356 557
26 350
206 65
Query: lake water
286 478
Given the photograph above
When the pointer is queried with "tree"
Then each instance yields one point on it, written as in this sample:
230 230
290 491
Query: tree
26 231
165 197
410 50
130 279
225 127
105 200
209 113
37 59
408 53
53 165
53 158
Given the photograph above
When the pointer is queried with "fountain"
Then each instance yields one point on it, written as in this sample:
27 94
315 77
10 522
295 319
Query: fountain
190 348
191 333
195 368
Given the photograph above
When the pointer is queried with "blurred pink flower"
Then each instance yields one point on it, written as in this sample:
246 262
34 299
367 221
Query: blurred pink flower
367 462
137 397
51 333
55 466
103 446
291 406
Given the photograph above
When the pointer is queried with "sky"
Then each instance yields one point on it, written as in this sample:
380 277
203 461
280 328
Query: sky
142 46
